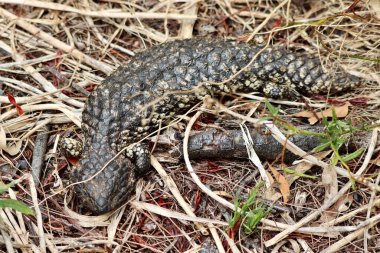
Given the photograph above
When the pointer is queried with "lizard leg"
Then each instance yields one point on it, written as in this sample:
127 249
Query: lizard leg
140 156
275 90
71 147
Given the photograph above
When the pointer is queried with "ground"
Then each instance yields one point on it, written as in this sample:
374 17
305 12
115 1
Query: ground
53 54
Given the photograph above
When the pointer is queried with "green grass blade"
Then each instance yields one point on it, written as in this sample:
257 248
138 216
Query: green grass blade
353 155
5 187
16 205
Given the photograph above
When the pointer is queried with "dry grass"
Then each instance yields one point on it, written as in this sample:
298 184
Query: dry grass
52 55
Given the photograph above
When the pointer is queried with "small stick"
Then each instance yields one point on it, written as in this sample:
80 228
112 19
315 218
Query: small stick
253 157
266 20
111 13
105 68
39 153
20 218
7 241
28 62
352 214
301 241
371 204
100 37
40 224
173 188
172 214
187 26
31 108
48 86
349 238
320 210
191 170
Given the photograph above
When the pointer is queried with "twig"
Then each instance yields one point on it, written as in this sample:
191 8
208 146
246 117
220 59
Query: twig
371 204
29 62
11 229
20 218
100 37
16 229
174 190
40 228
39 153
187 26
115 220
7 241
57 43
19 100
52 247
216 238
49 87
253 157
349 238
282 102
266 20
111 13
172 214
326 204
30 89
301 241
352 214
31 108
191 170
196 178
230 242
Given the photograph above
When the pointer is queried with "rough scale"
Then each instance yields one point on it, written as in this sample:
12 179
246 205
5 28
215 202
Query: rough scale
159 83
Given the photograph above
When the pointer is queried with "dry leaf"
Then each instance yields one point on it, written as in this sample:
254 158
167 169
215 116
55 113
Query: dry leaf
149 226
375 162
330 182
341 205
304 114
284 184
87 221
341 112
301 168
300 200
224 194
375 4
12 148
270 193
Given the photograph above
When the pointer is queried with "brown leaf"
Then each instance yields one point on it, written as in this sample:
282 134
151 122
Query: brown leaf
341 205
304 166
304 114
341 112
283 183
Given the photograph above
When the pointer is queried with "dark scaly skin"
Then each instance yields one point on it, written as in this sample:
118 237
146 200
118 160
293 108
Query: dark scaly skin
131 103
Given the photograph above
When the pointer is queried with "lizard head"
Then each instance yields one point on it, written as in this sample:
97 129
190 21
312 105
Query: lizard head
103 182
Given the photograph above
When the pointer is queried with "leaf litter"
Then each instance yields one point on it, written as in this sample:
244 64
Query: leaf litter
53 54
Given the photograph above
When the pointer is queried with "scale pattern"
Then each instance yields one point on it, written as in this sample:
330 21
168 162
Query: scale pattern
161 82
